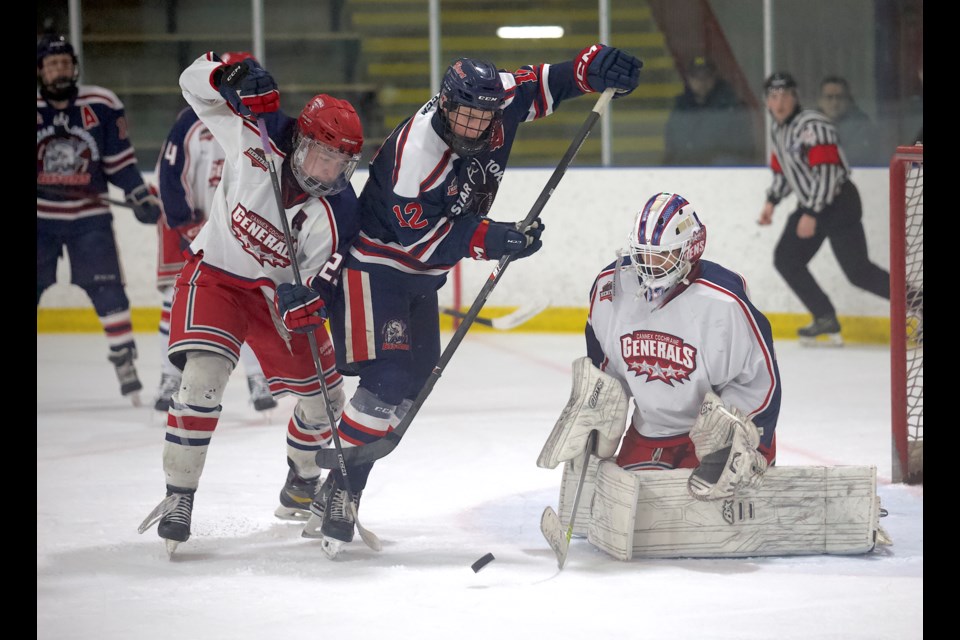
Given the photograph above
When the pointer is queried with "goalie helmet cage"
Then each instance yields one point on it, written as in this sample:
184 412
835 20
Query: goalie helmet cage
906 313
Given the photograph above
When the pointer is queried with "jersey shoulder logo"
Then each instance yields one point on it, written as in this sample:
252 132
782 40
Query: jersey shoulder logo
257 158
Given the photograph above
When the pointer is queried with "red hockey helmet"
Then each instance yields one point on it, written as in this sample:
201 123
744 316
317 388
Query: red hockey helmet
233 57
327 145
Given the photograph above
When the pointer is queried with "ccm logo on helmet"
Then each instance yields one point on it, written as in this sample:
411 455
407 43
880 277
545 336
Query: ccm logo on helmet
488 98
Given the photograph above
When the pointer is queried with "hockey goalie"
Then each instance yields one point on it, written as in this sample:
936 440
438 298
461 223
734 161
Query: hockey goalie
691 474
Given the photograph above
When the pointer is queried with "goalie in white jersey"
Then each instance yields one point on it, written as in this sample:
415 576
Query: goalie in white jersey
693 476
235 287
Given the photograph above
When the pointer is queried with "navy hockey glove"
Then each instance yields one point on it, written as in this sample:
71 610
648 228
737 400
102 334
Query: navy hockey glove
493 240
249 88
599 67
144 204
300 307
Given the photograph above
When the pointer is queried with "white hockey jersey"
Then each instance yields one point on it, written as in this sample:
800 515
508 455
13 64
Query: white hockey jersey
243 238
668 353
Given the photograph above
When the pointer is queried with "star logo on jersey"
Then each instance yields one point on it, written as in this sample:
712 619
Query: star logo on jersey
658 356
259 238
257 158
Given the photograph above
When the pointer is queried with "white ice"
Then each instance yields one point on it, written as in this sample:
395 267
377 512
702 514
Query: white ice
461 483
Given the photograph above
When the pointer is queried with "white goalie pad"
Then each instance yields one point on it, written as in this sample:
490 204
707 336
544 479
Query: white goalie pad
568 493
597 401
797 511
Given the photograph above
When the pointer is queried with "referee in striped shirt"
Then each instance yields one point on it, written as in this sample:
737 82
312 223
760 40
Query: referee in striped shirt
808 161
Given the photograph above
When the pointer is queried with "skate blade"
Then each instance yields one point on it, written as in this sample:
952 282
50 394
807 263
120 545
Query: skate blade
825 340
135 398
171 546
331 547
292 514
312 528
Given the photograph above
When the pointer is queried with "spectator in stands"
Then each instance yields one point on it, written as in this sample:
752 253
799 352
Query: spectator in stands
709 125
861 140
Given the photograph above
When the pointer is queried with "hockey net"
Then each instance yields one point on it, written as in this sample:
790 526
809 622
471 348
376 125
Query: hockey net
906 312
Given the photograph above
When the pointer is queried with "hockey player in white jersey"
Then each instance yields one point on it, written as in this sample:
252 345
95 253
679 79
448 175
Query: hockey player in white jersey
188 173
679 337
235 287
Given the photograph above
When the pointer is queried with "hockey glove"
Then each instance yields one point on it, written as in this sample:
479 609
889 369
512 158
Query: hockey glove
300 307
493 240
144 204
599 67
249 88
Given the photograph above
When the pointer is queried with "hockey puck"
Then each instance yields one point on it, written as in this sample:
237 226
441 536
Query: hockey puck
482 562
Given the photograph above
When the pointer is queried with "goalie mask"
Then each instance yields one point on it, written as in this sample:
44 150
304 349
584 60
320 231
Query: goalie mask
667 239
470 101
57 68
327 146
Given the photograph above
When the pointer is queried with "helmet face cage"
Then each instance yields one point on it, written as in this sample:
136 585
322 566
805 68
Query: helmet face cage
470 89
667 239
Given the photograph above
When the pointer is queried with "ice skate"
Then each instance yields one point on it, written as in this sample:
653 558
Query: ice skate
169 384
296 496
130 385
332 518
260 394
822 331
174 515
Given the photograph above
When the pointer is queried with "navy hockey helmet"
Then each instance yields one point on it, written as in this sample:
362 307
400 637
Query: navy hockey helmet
474 86
62 87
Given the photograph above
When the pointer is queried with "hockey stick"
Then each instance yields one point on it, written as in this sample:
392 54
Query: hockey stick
504 323
379 448
76 194
550 522
368 537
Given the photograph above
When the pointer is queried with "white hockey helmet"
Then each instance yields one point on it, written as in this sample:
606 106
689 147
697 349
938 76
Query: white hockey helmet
666 241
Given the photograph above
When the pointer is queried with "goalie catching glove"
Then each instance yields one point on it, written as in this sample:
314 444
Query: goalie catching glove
726 445
300 307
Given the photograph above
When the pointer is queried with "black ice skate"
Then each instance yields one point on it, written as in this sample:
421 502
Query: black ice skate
296 496
827 327
174 515
332 517
260 393
122 360
168 386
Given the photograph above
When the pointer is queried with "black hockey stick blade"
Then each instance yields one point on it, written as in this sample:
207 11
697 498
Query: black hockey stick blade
328 458
503 323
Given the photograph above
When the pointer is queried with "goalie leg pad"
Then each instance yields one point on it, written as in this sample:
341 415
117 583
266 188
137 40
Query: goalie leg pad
597 401
797 511
568 492
614 509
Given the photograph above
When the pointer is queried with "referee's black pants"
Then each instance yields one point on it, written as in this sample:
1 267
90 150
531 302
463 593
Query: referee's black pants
840 223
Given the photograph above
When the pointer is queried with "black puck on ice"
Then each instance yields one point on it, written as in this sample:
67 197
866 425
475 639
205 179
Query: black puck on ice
482 562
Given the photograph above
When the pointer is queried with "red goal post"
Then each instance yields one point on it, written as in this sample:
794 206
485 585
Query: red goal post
906 313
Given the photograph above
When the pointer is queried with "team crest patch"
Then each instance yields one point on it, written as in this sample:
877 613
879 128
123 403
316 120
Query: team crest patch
606 292
658 356
257 158
259 238
395 336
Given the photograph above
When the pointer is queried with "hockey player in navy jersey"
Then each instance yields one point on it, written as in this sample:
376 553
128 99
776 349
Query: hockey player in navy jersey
423 209
82 146
235 286
188 173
